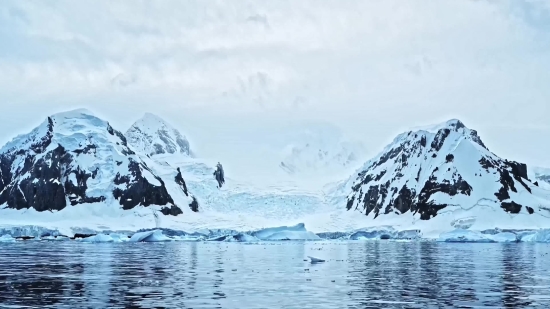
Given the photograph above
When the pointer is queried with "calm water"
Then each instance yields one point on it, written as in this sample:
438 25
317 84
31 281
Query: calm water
221 275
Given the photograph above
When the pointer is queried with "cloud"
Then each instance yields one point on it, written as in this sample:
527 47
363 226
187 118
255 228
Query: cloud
372 67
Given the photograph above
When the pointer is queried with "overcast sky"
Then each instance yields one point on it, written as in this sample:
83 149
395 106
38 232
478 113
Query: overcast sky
220 70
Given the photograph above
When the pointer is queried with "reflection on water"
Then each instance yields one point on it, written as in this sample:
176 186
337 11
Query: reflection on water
274 275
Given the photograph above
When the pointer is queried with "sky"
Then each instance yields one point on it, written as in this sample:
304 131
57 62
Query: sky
228 73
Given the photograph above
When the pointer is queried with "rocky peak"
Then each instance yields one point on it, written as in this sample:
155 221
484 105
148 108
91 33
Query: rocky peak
153 136
428 169
77 158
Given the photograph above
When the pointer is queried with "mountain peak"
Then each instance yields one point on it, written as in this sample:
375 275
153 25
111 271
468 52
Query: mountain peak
446 166
453 124
75 113
152 135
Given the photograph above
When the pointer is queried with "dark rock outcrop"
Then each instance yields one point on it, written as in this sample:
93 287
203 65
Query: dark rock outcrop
138 191
219 175
179 180
194 205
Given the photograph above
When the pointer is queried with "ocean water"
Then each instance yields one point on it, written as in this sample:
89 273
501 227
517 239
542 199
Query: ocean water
378 274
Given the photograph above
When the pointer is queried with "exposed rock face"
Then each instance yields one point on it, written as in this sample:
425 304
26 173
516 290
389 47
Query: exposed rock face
154 136
425 171
75 158
219 175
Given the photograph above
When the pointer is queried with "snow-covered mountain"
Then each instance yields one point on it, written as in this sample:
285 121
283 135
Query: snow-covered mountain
76 171
320 150
75 160
445 170
152 135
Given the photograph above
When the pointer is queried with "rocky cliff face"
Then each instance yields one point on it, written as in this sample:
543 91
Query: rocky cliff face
422 172
76 158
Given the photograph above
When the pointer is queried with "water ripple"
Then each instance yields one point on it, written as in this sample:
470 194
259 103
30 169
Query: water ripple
274 275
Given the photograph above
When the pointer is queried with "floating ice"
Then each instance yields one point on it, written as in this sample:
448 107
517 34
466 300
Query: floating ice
7 238
98 238
55 238
315 260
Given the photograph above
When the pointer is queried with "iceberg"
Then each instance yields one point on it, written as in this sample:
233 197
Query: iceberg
296 232
504 237
55 238
542 236
241 237
98 238
150 236
315 260
28 231
374 233
7 238
460 235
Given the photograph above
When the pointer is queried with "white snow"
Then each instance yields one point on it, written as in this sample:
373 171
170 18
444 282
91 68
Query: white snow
151 135
316 151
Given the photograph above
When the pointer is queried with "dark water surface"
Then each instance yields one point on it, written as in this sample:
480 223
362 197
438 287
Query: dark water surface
274 275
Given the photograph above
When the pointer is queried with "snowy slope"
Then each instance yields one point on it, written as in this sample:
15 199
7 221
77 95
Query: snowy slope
320 151
152 135
541 175
241 201
445 173
75 160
